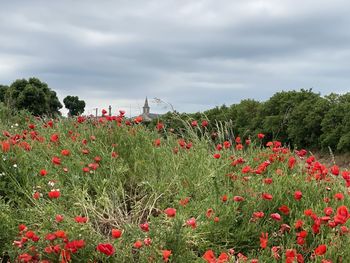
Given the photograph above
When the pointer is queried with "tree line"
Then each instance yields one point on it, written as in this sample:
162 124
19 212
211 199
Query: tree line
36 97
297 118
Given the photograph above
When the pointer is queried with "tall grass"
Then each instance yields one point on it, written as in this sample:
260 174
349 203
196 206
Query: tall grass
130 179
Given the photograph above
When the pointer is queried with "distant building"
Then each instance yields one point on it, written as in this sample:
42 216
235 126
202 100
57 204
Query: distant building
146 115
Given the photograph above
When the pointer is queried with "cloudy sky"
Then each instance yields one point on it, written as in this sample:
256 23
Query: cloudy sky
192 54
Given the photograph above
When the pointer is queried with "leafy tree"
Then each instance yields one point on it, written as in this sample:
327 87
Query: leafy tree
245 119
74 105
336 123
304 124
34 96
277 113
3 91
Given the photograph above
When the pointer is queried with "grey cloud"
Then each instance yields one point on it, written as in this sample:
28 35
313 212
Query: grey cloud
194 54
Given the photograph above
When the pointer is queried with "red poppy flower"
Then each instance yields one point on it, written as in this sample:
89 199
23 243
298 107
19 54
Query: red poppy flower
209 213
59 218
227 144
144 227
65 152
138 244
328 211
184 202
25 257
276 216
60 234
217 155
209 256
43 172
246 169
75 245
238 140
160 126
30 234
147 241
266 196
22 227
191 222
54 138
81 219
116 233
224 198
263 240
106 248
170 212
298 195
261 135
291 162
267 180
239 147
55 193
204 123
56 160
138 119
335 170
157 142
258 214
238 198
343 211
36 195
5 146
299 224
339 196
50 237
284 209
342 215
320 250
166 254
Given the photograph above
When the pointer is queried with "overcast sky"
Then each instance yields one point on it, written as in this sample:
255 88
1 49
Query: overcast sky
192 54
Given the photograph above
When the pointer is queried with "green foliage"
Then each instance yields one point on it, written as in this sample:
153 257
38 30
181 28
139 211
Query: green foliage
3 90
34 96
74 105
135 186
336 123
246 117
8 225
296 118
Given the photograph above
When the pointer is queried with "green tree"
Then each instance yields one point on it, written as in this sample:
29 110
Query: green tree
304 124
74 105
3 91
246 117
34 96
277 113
336 123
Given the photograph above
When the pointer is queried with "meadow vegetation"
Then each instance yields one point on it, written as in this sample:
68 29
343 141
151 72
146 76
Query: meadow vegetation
109 189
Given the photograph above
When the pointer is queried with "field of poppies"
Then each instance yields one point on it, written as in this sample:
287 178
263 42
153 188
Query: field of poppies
111 190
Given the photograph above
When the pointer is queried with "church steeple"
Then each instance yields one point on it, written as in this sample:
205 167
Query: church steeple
146 108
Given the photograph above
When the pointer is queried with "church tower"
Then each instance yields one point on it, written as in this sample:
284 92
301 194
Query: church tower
146 108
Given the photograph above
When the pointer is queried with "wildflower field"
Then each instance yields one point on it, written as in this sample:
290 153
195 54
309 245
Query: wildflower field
112 190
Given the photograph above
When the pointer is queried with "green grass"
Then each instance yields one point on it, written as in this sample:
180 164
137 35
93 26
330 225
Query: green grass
142 181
